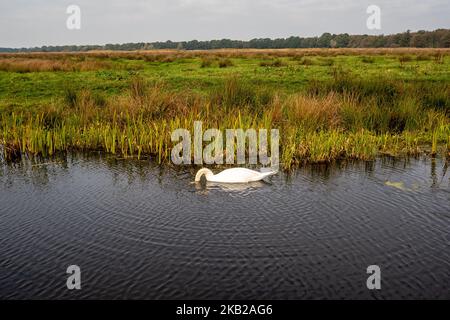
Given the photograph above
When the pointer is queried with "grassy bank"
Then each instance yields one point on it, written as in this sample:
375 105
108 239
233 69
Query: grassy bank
328 104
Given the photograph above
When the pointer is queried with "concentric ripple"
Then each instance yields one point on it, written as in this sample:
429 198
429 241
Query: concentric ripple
142 231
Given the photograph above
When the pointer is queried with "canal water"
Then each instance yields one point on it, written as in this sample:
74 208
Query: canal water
141 231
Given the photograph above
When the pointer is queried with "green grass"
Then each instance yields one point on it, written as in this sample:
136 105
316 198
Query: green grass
37 87
326 107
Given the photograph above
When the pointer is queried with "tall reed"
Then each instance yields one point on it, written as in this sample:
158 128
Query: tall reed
343 119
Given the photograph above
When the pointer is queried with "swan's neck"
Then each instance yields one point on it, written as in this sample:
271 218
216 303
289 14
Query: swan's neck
208 173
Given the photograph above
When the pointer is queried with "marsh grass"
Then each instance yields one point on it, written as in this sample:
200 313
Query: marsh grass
307 61
315 128
207 62
424 57
326 62
439 57
275 63
382 89
367 59
338 115
225 63
26 65
215 61
404 59
172 55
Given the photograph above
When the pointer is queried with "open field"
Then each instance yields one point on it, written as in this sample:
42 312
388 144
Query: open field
328 103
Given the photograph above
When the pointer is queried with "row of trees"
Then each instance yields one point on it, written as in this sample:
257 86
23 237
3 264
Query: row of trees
439 38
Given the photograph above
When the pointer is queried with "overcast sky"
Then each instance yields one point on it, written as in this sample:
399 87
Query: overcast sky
27 23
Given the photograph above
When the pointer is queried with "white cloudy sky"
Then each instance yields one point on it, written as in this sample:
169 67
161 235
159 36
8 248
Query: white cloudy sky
26 23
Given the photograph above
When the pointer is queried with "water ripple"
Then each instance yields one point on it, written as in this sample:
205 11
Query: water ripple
142 231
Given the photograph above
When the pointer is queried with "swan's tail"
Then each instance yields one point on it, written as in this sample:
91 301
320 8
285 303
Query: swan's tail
266 172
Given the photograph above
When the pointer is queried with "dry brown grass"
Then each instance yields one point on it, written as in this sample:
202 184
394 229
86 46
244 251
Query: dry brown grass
171 55
37 64
153 101
138 123
318 112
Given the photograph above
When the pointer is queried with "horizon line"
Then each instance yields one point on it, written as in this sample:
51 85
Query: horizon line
217 39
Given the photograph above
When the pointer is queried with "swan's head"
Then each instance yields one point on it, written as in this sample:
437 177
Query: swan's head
208 173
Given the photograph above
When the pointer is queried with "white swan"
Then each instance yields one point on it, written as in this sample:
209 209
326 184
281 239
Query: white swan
235 175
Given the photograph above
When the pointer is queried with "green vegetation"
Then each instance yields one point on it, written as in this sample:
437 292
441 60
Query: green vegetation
439 38
328 104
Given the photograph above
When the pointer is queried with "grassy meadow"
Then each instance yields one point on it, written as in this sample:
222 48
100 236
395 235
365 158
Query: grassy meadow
329 104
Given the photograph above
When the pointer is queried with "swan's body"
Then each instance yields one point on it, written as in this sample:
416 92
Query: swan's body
235 175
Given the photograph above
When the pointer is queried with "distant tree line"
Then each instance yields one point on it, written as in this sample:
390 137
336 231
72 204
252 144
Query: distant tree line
439 38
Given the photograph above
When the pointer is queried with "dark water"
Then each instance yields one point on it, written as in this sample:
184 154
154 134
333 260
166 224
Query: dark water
140 231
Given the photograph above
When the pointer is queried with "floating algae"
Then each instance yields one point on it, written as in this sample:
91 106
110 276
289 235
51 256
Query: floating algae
401 186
